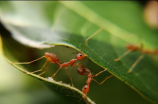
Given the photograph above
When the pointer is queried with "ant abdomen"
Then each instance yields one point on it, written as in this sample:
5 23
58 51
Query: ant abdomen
51 57
81 71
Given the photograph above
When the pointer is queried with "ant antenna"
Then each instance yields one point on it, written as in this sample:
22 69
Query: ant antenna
99 30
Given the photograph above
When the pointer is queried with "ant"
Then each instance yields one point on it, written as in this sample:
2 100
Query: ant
52 58
85 71
133 48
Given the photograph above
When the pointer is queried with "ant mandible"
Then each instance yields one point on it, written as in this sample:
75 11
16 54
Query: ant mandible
85 71
52 58
133 48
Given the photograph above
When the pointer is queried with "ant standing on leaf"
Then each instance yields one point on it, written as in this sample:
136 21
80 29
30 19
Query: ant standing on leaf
52 58
133 48
85 71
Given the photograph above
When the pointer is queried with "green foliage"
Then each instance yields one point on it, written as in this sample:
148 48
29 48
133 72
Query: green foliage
45 24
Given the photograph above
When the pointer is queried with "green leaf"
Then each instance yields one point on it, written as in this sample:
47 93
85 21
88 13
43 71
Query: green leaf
62 88
45 24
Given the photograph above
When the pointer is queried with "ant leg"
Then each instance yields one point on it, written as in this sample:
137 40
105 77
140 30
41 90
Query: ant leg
103 80
60 62
56 72
28 62
99 73
75 65
45 69
135 63
69 76
41 68
122 55
99 30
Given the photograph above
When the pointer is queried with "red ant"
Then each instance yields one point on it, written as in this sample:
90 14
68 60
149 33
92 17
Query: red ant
85 71
133 48
52 58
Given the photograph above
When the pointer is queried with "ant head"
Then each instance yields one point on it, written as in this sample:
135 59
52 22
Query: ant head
80 56
85 89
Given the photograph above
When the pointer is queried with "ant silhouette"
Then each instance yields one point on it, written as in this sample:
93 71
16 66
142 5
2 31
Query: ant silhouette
82 70
52 58
133 48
